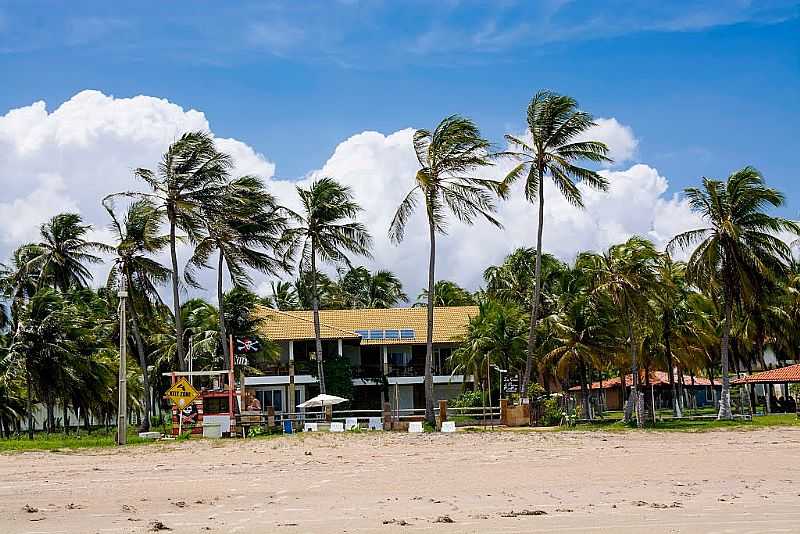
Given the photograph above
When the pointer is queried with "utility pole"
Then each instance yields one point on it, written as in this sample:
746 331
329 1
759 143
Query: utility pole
122 404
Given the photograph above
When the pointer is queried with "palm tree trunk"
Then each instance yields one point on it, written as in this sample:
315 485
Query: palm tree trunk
51 416
537 288
176 301
635 397
65 415
725 400
585 391
429 408
223 332
676 408
315 306
137 336
29 401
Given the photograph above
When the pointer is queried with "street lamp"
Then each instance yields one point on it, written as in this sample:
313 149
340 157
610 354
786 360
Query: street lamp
502 372
122 403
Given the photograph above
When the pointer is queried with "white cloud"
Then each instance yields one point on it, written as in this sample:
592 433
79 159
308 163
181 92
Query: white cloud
70 158
619 138
381 168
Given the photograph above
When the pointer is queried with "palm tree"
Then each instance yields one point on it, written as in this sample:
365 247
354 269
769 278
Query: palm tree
137 237
327 292
496 333
190 176
446 293
555 125
245 227
63 253
284 296
737 249
579 326
363 289
42 349
447 156
670 306
326 230
626 273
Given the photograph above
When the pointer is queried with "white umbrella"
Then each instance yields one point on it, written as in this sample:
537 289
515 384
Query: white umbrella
321 401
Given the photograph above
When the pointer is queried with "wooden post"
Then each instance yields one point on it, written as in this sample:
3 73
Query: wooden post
387 416
504 412
442 412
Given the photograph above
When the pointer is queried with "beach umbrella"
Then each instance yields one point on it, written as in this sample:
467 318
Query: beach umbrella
320 401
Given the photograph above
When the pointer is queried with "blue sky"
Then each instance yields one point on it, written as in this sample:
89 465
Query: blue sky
705 86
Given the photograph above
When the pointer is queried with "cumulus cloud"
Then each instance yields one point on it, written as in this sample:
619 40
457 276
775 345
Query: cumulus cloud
68 159
619 138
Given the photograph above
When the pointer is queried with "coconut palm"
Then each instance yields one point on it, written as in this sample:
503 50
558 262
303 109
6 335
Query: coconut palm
554 150
496 333
18 281
137 237
62 255
446 293
327 291
363 289
326 231
669 304
190 176
284 296
626 274
447 157
580 328
739 247
42 349
245 227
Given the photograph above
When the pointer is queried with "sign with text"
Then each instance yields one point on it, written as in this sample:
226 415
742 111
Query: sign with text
182 393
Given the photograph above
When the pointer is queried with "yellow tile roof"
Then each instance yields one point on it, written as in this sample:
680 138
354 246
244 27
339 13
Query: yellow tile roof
449 324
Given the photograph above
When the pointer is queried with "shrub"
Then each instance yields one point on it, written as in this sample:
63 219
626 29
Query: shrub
551 412
468 399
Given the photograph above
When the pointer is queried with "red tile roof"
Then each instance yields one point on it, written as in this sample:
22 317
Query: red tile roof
657 379
780 375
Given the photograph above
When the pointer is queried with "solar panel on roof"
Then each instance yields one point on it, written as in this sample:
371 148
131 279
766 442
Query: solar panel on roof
407 333
391 334
363 333
376 334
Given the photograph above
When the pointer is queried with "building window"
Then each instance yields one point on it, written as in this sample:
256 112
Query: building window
271 397
399 359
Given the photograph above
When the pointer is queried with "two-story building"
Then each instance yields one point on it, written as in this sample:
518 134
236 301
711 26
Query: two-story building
386 349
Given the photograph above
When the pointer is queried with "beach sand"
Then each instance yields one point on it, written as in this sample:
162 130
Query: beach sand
509 481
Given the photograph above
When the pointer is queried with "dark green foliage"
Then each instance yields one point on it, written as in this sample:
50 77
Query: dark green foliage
338 376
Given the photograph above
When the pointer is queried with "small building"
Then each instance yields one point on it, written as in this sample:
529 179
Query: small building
386 347
699 391
762 386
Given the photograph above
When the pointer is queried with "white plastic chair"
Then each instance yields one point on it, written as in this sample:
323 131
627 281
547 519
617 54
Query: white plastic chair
337 426
375 423
310 427
448 426
351 423
415 426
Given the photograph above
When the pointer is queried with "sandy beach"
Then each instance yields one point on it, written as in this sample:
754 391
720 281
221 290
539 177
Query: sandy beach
524 481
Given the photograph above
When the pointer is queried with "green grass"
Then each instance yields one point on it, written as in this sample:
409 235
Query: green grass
60 442
697 425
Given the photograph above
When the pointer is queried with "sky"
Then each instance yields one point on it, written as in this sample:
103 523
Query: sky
298 90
